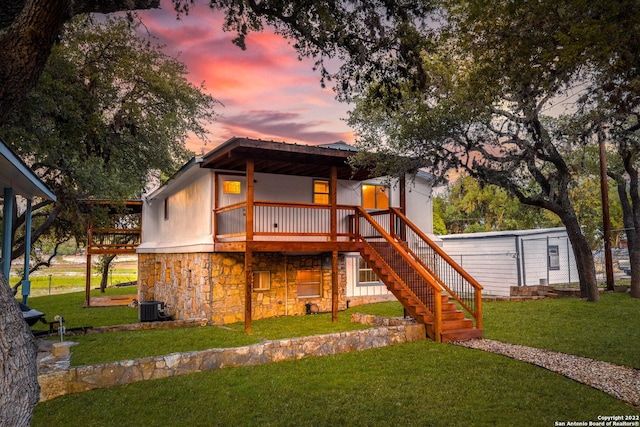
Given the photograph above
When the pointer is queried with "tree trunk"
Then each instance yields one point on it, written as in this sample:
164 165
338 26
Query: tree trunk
631 225
105 263
584 260
634 250
19 389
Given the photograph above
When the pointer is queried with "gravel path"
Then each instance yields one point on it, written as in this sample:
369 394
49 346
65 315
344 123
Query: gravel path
622 382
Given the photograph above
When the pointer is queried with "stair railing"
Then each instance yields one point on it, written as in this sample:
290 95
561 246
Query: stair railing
370 230
460 286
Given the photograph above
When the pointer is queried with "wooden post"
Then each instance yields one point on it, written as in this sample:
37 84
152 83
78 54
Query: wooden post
248 254
248 278
333 199
334 286
403 195
216 204
403 208
250 198
87 290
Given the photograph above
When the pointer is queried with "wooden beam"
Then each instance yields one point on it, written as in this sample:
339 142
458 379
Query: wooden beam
334 286
248 278
250 199
216 204
333 198
248 255
87 291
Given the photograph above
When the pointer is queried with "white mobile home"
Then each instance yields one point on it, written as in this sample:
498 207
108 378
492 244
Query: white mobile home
502 259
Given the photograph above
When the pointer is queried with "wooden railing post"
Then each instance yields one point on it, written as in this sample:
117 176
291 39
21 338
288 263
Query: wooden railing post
334 286
248 289
333 196
250 200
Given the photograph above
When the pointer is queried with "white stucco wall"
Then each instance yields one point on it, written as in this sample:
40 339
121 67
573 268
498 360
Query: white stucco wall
187 226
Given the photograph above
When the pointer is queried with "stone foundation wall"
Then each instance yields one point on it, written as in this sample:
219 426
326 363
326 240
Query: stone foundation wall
78 379
211 286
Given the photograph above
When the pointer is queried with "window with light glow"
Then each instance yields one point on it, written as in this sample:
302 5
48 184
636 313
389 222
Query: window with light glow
309 283
375 196
231 187
320 191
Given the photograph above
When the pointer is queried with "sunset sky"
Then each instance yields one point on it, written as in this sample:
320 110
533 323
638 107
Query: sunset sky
265 90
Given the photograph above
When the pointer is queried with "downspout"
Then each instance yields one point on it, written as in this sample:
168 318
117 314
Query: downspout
286 287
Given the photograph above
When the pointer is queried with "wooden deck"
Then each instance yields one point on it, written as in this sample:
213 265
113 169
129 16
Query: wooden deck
112 301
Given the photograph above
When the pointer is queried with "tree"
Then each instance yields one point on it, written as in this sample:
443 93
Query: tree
110 113
28 31
468 206
19 389
479 93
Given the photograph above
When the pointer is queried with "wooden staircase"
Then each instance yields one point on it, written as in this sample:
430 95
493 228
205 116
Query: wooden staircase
424 295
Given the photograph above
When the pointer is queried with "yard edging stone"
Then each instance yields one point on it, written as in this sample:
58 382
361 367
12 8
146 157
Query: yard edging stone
59 382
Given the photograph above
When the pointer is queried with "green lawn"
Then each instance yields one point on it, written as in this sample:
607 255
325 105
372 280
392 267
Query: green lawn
70 307
419 384
608 330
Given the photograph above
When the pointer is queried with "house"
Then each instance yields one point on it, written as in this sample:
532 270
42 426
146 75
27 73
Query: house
17 179
257 229
502 259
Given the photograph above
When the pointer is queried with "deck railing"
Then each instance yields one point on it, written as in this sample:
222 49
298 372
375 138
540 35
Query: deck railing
114 240
301 221
281 220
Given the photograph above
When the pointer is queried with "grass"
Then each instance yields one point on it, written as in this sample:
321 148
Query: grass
608 330
101 348
417 384
70 307
422 383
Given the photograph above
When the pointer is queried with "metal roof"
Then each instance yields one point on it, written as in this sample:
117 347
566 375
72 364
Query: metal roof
283 158
14 173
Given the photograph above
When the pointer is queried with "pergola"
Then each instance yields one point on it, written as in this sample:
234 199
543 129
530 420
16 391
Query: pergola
16 178
115 239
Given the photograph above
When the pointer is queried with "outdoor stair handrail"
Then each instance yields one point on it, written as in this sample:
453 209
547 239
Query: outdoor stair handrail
477 287
437 311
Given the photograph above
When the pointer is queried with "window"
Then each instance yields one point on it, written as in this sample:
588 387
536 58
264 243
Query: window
321 191
375 196
261 280
554 257
166 209
365 273
231 187
309 282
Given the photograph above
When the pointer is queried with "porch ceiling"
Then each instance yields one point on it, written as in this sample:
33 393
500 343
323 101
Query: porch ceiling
282 158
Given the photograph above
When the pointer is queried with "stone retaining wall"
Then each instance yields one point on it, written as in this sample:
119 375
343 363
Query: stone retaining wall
83 378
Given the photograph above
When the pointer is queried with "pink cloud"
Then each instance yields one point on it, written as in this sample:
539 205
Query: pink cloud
266 91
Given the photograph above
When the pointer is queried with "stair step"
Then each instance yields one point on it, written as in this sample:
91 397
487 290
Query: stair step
456 324
449 306
453 315
460 334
